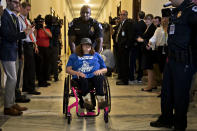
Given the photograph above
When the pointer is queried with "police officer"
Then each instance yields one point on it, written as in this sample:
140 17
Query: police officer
85 27
180 66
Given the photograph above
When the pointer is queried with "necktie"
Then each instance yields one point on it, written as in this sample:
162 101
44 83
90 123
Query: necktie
14 19
119 28
30 35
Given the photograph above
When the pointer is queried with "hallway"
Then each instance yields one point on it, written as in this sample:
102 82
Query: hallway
132 110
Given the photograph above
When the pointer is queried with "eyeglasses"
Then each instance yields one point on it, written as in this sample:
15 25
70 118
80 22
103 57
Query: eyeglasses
16 2
123 14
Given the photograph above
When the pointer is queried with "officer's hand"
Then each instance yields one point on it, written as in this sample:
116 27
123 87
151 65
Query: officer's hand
80 74
22 57
98 72
139 39
148 47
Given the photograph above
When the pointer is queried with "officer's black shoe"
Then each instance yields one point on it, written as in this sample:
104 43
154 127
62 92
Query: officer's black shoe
161 123
56 79
34 92
22 99
179 129
121 83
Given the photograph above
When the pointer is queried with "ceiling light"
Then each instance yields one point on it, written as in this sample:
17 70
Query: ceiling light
87 1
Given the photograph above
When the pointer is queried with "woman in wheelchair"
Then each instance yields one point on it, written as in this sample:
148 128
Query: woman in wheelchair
85 65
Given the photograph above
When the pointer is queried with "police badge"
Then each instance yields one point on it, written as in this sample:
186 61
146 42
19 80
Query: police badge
179 14
92 29
194 8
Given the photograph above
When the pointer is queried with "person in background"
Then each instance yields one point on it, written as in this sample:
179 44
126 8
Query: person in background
148 57
159 43
125 38
11 34
157 21
85 27
109 60
43 35
140 28
29 45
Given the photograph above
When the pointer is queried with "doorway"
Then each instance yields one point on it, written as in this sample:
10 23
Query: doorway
136 8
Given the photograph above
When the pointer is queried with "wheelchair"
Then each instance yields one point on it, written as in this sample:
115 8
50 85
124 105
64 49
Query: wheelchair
71 90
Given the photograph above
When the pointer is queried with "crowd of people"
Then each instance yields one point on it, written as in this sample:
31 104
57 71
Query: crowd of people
28 51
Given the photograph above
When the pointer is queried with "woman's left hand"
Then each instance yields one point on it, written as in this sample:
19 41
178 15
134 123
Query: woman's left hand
98 72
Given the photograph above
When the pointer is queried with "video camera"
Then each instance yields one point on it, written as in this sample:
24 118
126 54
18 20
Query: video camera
38 21
56 21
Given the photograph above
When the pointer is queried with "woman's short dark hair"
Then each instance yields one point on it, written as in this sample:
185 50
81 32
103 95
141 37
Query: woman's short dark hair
79 50
149 15
48 19
141 14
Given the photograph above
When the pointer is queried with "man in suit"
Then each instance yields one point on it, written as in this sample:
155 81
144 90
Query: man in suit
10 34
140 29
125 38
28 45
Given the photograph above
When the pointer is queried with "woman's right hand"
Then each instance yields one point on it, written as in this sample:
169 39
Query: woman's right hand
80 74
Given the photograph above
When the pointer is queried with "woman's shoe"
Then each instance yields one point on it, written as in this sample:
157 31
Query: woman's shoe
154 88
102 103
147 90
87 102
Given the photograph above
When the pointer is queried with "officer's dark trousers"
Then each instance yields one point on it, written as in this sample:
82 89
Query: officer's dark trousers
124 64
29 68
175 93
132 63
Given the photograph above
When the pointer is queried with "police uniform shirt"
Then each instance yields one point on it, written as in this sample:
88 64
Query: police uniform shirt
80 29
23 26
183 27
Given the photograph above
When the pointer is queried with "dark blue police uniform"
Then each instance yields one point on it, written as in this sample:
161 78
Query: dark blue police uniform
180 66
85 29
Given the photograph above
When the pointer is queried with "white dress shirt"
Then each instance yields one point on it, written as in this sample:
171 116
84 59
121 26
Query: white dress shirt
159 38
23 26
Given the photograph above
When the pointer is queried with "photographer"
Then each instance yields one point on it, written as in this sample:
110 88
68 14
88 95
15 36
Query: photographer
55 25
43 35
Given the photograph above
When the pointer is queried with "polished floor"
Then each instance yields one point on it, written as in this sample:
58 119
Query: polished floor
132 110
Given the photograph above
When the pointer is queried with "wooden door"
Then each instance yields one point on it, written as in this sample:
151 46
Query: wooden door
136 8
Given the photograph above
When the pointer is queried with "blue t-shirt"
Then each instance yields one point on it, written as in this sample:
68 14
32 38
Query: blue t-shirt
87 64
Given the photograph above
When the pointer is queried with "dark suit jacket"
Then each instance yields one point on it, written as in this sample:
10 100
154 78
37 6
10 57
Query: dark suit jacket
140 28
149 33
126 37
10 36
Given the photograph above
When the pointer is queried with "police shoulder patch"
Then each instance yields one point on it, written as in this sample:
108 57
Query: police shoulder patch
100 26
194 8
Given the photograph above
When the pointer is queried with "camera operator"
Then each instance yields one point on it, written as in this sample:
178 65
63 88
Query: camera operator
43 35
55 26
